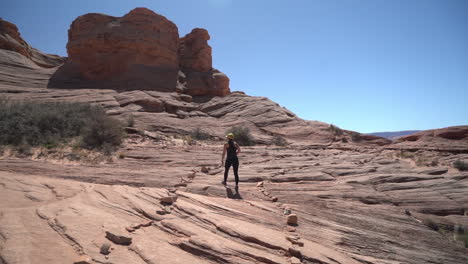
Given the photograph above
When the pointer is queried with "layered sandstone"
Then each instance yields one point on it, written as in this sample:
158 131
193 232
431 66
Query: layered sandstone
454 139
139 51
11 40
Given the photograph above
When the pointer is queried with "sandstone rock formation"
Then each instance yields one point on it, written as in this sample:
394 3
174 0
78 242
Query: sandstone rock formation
139 51
356 198
454 139
194 51
10 39
360 206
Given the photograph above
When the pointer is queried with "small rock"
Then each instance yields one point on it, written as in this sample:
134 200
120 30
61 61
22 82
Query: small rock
295 240
172 190
407 212
274 199
205 169
282 172
295 252
105 249
119 238
295 260
260 184
83 260
291 229
266 193
317 164
161 212
182 184
169 199
130 229
292 219
437 171
287 211
147 223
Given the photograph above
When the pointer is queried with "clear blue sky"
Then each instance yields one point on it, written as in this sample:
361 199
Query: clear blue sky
363 65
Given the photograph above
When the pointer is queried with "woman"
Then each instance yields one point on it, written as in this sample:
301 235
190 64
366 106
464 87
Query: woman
232 149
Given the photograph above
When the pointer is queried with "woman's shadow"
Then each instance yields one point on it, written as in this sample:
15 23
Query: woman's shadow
232 195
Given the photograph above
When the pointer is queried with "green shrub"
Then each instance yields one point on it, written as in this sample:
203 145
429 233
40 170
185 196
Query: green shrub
431 224
460 165
131 121
279 141
335 130
242 135
199 134
356 137
51 123
102 132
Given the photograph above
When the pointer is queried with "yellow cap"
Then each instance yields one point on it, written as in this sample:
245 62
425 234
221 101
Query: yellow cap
230 136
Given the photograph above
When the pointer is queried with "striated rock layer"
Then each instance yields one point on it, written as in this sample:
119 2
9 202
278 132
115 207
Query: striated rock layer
10 39
139 51
351 207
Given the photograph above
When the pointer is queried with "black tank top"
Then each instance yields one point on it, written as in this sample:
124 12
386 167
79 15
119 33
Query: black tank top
231 151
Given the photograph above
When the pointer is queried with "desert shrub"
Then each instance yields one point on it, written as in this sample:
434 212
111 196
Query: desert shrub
405 155
242 135
279 141
102 132
51 123
460 165
199 134
189 140
131 121
356 137
335 130
431 224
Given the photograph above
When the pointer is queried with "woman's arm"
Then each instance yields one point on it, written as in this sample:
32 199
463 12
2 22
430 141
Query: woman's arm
237 149
224 154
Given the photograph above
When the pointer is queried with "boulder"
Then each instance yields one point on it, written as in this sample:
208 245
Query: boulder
105 249
212 83
205 169
168 199
119 239
292 219
83 260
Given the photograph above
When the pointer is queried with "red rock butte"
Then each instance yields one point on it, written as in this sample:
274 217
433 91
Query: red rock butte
139 51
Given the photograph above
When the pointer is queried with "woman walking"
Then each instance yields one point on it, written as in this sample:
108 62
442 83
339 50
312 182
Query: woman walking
232 149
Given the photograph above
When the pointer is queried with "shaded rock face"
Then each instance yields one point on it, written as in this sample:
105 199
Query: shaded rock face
139 51
10 39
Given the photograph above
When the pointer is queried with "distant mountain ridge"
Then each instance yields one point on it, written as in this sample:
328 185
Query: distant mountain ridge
395 134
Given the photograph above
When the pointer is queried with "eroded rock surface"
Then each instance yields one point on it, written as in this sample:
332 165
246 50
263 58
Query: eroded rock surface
454 139
371 207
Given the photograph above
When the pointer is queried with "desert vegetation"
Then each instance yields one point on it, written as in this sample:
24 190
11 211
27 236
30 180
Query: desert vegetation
460 165
335 130
242 135
279 141
26 124
199 134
